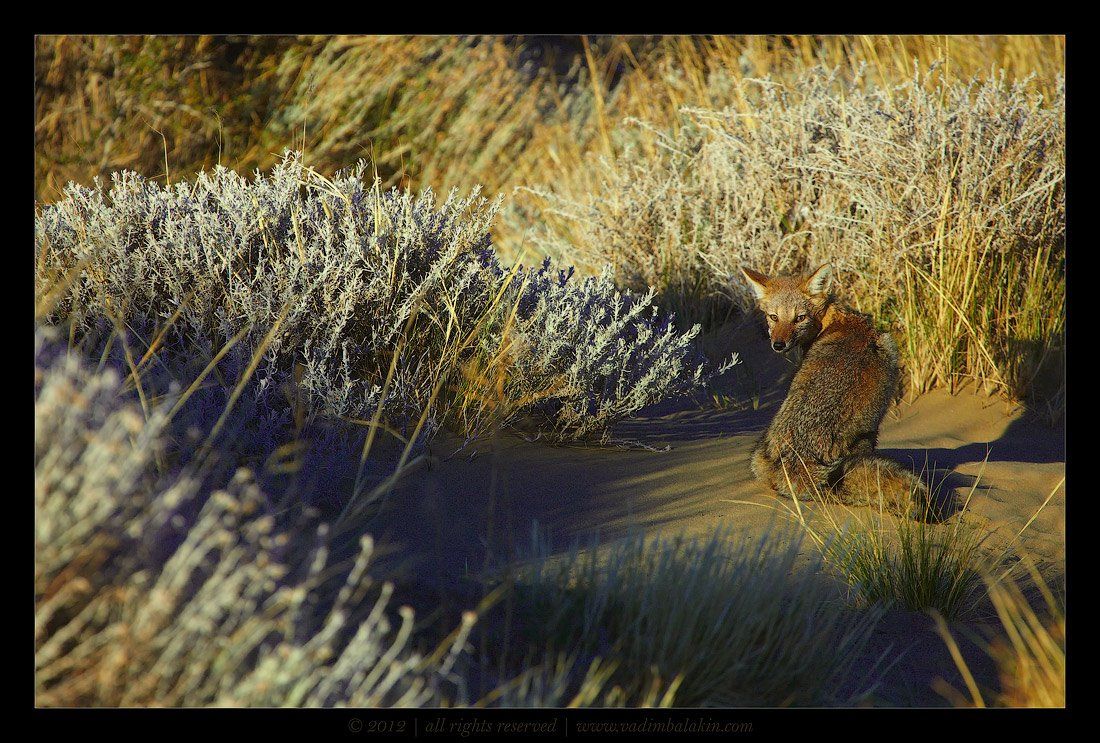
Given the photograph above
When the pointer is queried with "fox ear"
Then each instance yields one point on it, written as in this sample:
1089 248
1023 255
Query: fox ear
820 280
758 282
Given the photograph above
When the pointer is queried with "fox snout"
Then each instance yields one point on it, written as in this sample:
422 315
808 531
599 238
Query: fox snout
781 337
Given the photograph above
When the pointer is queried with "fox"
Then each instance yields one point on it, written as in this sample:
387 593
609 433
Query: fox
822 441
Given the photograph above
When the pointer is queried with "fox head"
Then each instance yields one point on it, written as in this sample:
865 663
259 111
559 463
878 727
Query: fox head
794 306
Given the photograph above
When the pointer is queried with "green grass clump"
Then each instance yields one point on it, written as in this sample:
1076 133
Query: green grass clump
915 564
918 561
938 560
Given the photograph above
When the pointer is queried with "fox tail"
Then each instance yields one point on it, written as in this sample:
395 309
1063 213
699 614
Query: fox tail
871 480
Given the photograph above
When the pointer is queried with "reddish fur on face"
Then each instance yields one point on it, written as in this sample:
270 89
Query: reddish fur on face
794 306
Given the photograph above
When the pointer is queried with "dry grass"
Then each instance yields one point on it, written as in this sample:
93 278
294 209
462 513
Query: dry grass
164 106
941 205
435 111
902 209
1030 652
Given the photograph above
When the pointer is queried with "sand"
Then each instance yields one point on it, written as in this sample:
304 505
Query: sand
682 468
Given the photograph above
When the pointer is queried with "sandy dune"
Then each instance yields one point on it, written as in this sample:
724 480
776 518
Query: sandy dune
679 467
682 468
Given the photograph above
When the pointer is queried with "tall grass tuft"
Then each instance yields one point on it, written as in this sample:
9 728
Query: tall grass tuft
724 623
919 561
1030 651
914 564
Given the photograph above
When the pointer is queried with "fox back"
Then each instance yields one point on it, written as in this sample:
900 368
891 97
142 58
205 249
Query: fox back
841 392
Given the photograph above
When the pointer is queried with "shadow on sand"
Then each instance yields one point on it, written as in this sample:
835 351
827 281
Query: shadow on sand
681 464
681 467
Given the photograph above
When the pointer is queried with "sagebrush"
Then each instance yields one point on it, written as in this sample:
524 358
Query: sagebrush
151 589
354 297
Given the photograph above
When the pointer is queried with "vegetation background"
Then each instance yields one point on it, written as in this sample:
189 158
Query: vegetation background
577 133
929 170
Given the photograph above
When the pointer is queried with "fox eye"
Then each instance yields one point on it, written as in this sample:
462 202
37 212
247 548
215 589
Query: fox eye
775 318
799 318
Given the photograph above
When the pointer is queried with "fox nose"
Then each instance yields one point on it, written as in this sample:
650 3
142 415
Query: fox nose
779 345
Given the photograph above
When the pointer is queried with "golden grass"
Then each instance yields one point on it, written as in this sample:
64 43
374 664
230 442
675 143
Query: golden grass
1030 652
456 111
943 213
106 103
